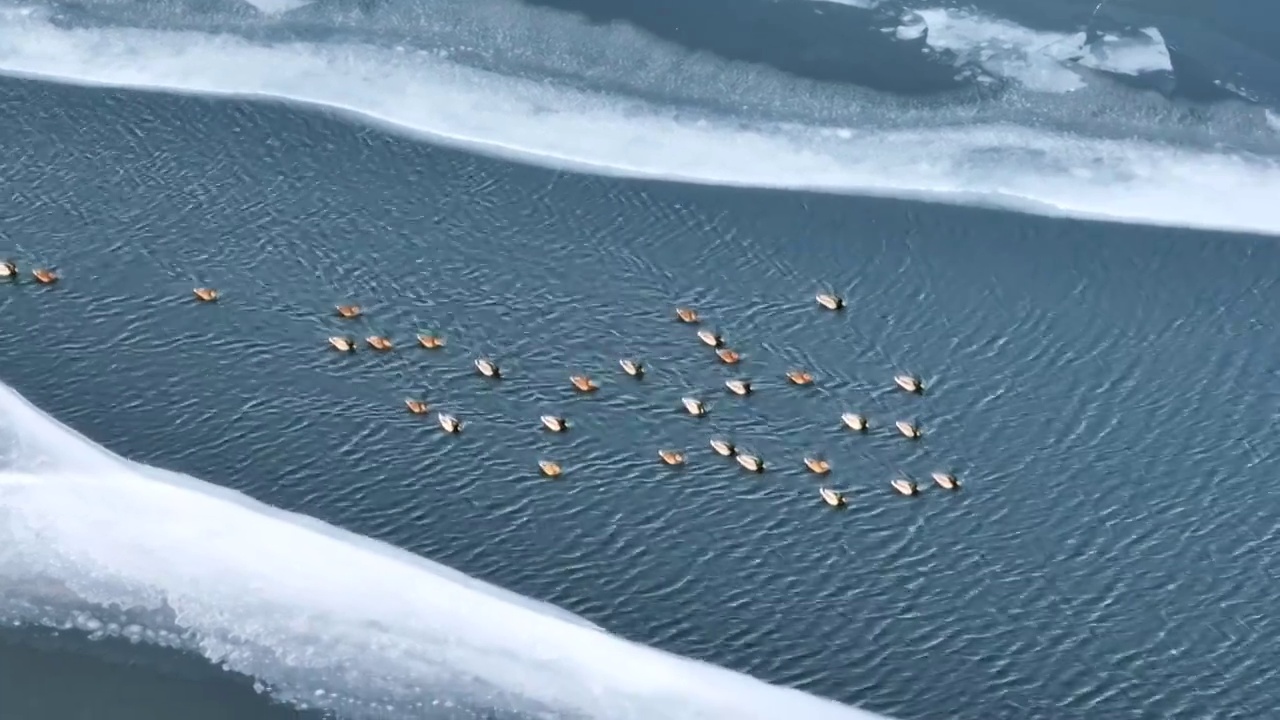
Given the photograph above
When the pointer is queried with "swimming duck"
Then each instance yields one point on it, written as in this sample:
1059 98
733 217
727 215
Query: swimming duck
727 356
554 423
687 315
583 383
694 406
431 342
830 301
488 368
908 430
206 294
8 269
45 276
342 344
417 407
738 387
379 343
711 338
905 486
854 421
671 457
800 377
350 311
831 497
549 468
751 462
817 465
946 481
632 367
449 423
910 383
723 447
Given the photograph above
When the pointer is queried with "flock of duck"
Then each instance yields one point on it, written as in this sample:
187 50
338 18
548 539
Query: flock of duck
554 423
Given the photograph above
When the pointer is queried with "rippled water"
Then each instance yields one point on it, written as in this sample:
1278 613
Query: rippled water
1106 393
1105 397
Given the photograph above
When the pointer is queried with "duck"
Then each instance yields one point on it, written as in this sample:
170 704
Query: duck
908 430
738 387
727 356
817 465
905 486
342 344
449 423
379 343
583 383
831 497
830 301
634 368
431 342
854 421
554 423
751 462
8 269
417 407
711 338
204 294
800 377
946 481
694 406
45 276
350 311
910 383
549 468
687 315
488 368
671 457
723 447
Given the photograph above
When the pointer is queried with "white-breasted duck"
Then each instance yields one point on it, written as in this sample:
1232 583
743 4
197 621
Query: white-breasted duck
908 430
488 368
634 368
830 301
905 486
910 383
694 406
946 480
854 421
723 447
834 498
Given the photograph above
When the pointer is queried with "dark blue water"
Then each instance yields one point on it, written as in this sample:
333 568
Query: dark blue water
1107 393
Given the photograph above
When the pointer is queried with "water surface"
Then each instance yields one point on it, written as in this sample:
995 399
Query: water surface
1106 392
